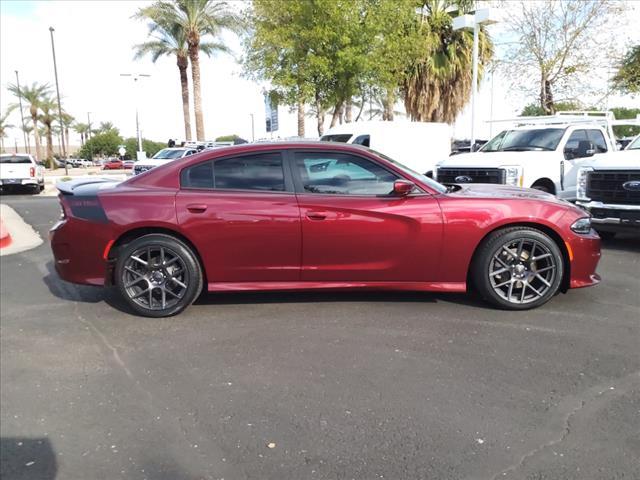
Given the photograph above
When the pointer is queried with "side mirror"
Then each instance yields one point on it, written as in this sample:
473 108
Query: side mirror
402 188
585 149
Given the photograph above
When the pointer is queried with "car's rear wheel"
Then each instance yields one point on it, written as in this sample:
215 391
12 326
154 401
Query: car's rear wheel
518 268
158 275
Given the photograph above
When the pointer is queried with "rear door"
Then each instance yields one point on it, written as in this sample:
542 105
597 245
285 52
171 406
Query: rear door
242 214
355 230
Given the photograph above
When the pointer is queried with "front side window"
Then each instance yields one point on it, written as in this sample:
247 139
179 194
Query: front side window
342 138
262 172
342 174
635 144
363 140
575 138
597 138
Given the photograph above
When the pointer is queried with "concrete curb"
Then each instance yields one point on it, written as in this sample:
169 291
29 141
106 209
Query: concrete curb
23 236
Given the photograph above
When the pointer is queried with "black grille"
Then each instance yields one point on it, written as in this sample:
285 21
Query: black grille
140 169
477 175
606 186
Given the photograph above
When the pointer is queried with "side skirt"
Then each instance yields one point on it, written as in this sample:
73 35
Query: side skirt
280 286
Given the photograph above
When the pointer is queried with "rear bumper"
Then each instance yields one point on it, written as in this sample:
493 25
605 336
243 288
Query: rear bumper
78 249
8 182
585 253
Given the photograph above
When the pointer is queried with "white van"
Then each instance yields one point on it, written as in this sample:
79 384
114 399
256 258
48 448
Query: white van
417 145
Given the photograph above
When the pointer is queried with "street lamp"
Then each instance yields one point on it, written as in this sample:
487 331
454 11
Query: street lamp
484 16
136 76
55 71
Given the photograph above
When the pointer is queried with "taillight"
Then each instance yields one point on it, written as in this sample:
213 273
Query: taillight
32 171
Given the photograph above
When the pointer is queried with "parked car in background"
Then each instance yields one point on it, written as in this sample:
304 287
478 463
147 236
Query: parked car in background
544 153
21 171
418 145
162 158
113 164
609 189
315 215
128 164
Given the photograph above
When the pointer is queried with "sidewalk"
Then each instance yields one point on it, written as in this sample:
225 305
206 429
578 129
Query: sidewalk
15 235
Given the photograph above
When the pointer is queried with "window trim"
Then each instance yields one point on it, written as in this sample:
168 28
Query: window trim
288 182
299 187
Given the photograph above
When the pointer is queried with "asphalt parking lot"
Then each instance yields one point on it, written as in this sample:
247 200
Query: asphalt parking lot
316 385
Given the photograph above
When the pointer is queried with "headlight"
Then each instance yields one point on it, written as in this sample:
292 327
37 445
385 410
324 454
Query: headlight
582 225
513 175
581 183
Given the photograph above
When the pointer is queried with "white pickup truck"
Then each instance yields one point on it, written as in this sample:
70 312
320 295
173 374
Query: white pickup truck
609 189
545 156
21 170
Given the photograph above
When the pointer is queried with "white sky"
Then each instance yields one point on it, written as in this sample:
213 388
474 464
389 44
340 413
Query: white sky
94 42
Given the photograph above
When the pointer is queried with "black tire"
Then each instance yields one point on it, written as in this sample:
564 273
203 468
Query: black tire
606 235
522 280
165 296
41 188
35 189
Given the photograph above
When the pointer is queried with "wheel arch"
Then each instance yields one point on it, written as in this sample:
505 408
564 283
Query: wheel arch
545 182
555 236
137 232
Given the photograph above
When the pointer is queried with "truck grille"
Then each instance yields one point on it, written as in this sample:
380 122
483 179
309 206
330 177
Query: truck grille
606 186
140 169
476 175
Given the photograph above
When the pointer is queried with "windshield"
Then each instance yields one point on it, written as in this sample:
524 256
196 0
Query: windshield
342 138
525 140
635 144
168 154
15 159
423 178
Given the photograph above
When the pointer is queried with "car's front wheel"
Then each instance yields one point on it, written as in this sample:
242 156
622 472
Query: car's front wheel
518 268
158 275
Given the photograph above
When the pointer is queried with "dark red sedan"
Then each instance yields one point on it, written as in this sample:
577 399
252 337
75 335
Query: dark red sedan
316 215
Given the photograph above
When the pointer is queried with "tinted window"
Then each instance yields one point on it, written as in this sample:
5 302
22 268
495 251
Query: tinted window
634 145
168 154
254 172
575 137
525 140
342 174
15 159
344 138
198 176
597 138
363 140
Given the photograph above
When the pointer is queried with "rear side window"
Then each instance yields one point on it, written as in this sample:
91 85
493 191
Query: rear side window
263 172
15 159
597 138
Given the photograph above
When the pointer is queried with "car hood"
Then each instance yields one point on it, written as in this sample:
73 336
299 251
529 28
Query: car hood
488 191
154 162
492 159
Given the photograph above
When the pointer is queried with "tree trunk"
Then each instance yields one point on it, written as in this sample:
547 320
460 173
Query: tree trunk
337 113
2 144
319 116
388 102
183 63
300 117
50 147
65 142
348 111
197 91
36 136
546 97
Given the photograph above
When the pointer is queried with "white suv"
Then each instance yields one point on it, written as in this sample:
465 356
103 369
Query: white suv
163 157
21 170
546 157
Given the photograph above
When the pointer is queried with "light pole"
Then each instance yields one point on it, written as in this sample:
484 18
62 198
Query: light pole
484 16
253 130
24 131
136 76
89 124
55 70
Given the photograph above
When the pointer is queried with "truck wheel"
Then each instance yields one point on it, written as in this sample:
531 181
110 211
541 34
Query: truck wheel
605 235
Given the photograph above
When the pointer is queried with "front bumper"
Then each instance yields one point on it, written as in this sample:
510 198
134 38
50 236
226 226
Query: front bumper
584 255
613 217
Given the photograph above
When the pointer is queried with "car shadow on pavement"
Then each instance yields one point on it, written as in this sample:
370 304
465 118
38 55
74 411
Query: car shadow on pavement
27 458
623 243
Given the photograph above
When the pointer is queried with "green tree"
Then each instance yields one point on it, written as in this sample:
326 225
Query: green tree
32 95
439 81
535 110
82 129
106 143
149 146
47 116
4 126
622 113
627 78
196 19
106 127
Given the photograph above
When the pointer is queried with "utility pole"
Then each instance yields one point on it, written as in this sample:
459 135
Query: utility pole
89 123
253 130
136 76
55 70
24 131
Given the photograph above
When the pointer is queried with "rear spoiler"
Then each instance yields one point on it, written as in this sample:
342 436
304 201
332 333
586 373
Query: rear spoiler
84 186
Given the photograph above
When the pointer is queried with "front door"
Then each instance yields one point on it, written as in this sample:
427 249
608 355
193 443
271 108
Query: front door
242 214
355 230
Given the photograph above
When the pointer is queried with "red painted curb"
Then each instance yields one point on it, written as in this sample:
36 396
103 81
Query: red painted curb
5 238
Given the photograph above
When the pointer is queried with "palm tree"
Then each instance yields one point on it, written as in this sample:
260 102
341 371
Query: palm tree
438 84
32 95
4 126
83 130
170 40
47 118
27 129
197 19
106 127
67 122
